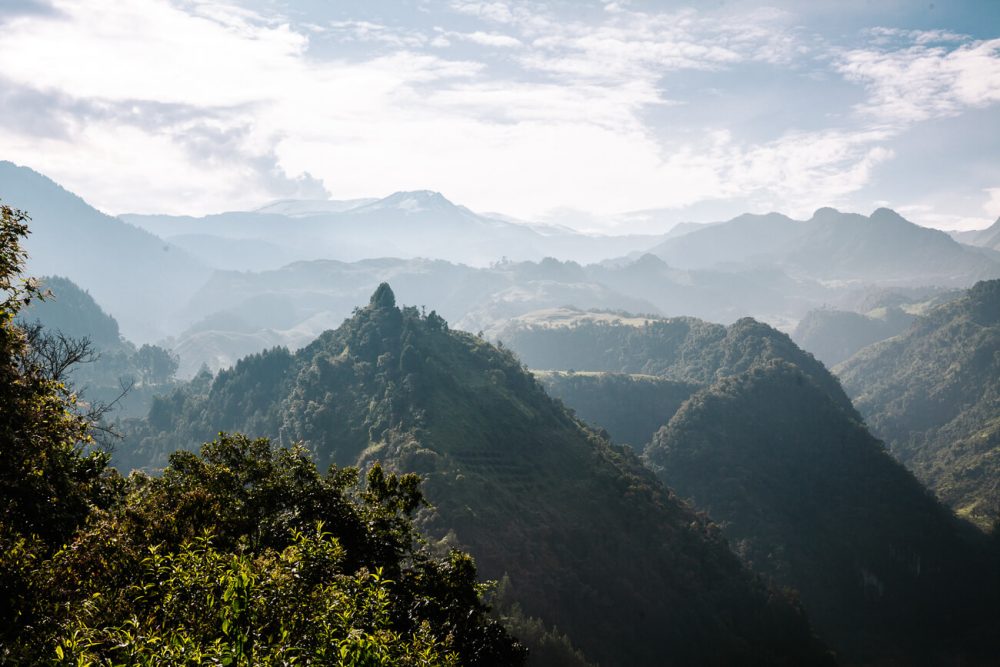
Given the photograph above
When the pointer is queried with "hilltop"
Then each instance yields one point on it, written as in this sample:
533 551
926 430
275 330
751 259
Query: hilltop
590 541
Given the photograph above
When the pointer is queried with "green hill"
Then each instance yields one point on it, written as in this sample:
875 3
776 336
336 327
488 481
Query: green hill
684 349
629 407
114 363
590 541
933 394
810 498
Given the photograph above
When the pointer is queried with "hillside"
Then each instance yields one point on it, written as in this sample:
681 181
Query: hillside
590 541
137 277
631 408
882 247
684 349
834 335
933 394
810 498
114 363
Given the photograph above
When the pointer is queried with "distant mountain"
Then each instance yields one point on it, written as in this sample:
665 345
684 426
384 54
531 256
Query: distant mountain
984 238
810 498
404 225
304 208
933 394
141 279
590 541
309 297
834 335
883 247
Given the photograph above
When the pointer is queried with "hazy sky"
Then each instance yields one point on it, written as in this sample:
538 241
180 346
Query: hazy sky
567 111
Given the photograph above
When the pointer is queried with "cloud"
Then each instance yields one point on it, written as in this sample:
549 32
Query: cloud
489 39
192 106
918 82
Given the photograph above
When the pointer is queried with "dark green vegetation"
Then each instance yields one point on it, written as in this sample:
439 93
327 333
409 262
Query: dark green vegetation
682 349
771 448
590 541
242 555
630 407
933 394
112 370
808 497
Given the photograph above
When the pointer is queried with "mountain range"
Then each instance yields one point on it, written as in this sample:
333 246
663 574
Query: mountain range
586 537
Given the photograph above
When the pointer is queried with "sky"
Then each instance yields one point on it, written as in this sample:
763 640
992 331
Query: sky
605 116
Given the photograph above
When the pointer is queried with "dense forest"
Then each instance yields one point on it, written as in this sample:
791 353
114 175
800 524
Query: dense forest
933 394
397 491
242 554
535 495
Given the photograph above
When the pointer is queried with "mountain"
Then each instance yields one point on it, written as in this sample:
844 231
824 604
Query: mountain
304 208
405 225
983 238
808 497
587 538
933 395
683 349
138 277
833 246
114 363
631 408
834 335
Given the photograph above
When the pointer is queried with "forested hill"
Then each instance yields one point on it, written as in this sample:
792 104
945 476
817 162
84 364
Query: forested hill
933 394
591 541
630 407
810 498
680 348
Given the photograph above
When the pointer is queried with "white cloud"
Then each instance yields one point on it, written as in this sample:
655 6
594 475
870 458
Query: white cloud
919 82
489 39
562 122
992 205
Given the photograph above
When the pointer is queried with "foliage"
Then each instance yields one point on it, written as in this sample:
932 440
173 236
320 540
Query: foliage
933 394
630 407
246 554
591 542
70 313
683 349
810 498
243 554
50 478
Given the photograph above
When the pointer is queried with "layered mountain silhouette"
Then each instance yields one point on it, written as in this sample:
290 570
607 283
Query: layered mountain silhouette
138 277
933 394
407 225
834 335
983 238
769 445
833 246
590 541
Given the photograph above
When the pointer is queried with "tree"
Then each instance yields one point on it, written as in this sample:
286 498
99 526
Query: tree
156 364
50 476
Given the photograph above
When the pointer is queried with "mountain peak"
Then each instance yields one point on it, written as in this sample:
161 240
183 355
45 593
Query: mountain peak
825 213
887 215
415 201
383 297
